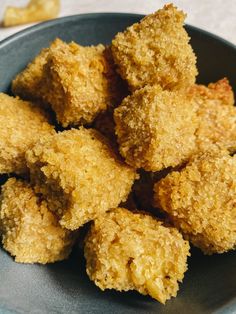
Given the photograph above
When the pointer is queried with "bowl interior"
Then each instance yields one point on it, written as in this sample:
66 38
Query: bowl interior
210 283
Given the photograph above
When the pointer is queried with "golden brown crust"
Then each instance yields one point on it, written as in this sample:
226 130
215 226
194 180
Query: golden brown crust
216 115
155 128
80 175
134 251
156 51
31 83
30 232
28 83
82 81
200 199
21 125
77 82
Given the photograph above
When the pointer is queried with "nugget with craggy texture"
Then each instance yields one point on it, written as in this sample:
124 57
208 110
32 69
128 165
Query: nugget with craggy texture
216 115
220 92
21 125
29 231
79 174
83 83
77 82
156 51
28 84
200 200
134 251
155 128
32 83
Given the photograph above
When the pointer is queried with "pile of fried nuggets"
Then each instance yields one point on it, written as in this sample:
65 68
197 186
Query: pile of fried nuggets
176 141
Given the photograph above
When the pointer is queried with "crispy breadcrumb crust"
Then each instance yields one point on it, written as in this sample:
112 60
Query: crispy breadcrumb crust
134 251
156 51
221 92
155 128
216 115
79 174
21 125
83 82
200 200
31 83
30 232
28 83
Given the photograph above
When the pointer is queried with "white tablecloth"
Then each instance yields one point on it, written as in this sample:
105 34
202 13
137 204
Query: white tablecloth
216 16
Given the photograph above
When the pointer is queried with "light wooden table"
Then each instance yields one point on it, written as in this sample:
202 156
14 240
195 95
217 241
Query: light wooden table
216 16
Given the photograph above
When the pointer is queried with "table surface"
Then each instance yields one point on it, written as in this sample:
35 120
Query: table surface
216 16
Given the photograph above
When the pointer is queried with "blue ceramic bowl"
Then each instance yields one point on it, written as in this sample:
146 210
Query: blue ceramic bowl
210 283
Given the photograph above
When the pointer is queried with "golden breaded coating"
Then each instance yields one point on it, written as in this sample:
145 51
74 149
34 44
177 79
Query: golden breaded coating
28 84
155 128
79 174
30 232
21 125
82 81
134 251
220 92
200 200
156 51
77 82
216 114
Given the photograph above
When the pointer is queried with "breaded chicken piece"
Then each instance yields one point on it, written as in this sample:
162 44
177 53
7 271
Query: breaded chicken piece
21 125
156 51
155 128
216 115
220 92
80 175
77 82
134 251
200 200
28 84
83 83
30 232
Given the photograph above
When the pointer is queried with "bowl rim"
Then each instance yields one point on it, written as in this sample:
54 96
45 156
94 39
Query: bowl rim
61 20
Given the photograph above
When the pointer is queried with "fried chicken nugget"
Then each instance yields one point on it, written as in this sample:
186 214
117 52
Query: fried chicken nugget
216 115
155 128
134 251
200 200
30 232
30 84
83 83
77 82
21 125
156 51
80 175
